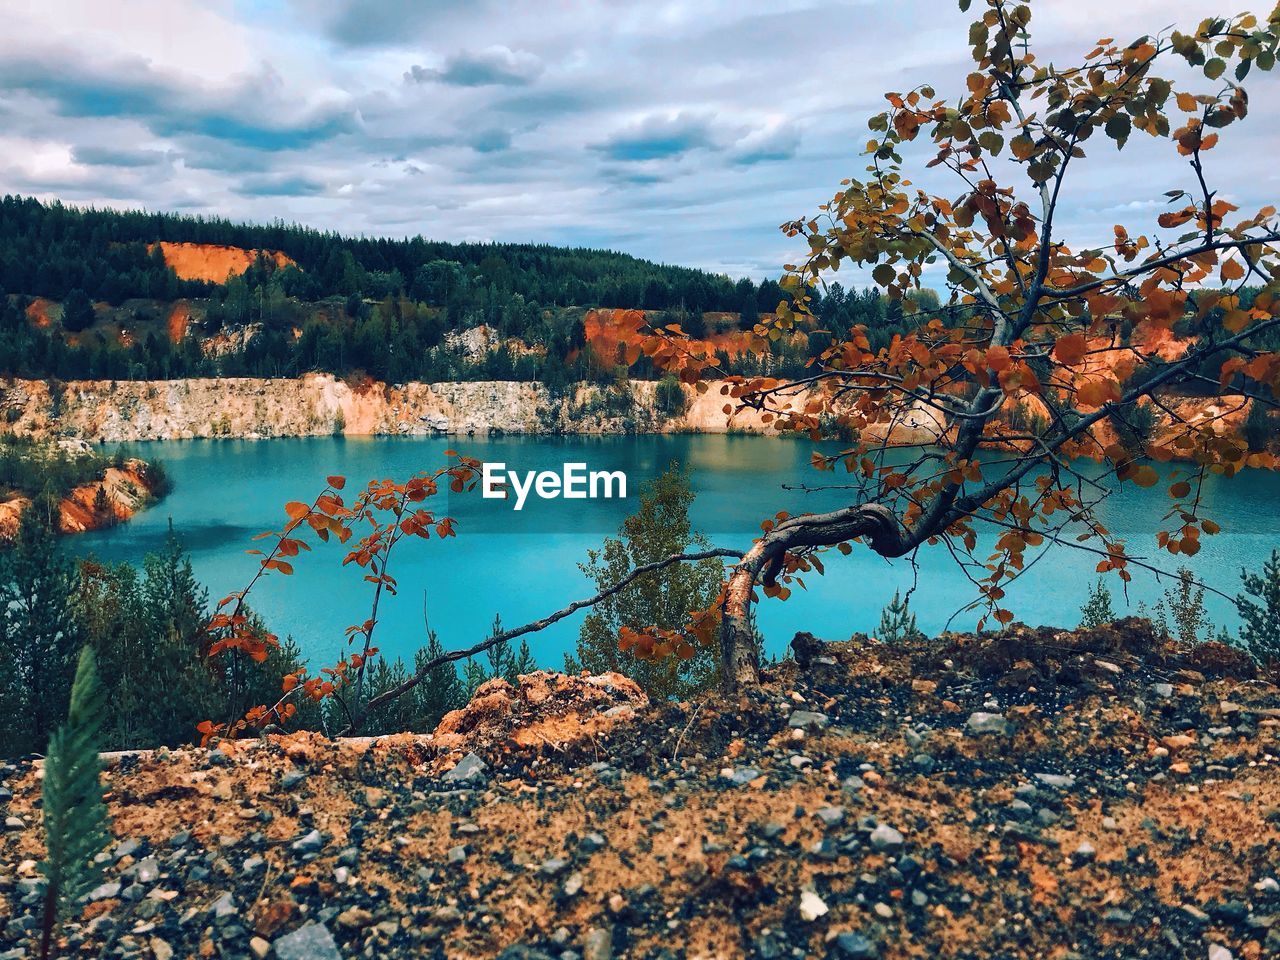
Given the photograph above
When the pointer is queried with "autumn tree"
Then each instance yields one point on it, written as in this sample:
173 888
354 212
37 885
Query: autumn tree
1069 328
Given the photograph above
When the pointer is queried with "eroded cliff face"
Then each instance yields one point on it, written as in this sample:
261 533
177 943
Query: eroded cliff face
103 411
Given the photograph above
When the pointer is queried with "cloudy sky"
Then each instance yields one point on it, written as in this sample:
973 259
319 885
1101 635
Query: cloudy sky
682 131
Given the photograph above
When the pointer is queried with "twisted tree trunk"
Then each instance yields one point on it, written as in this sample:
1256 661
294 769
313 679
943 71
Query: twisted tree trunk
764 561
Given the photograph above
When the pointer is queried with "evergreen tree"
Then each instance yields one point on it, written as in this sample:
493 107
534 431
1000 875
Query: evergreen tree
473 676
441 690
39 634
897 622
663 598
1259 607
76 824
77 311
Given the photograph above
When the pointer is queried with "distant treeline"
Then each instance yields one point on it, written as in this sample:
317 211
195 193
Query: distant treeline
49 250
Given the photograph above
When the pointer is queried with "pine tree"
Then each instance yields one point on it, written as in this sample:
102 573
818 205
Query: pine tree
39 634
1260 616
1097 609
501 661
440 691
473 676
897 622
75 816
524 661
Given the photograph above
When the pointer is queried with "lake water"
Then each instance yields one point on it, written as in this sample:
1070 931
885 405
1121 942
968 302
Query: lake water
522 567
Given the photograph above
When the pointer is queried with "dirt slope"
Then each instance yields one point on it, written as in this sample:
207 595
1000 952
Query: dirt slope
1050 795
207 261
128 489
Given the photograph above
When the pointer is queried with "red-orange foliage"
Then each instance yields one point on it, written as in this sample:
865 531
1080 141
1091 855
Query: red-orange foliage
388 511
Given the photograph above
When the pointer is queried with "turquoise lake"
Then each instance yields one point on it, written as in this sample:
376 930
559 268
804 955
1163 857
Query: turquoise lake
523 566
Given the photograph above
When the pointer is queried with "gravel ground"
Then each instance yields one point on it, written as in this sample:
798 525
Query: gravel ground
1050 794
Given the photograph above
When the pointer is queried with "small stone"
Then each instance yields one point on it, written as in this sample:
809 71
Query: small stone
553 867
1162 690
354 918
470 769
160 949
573 886
458 854
812 906
224 906
1219 952
830 816
1268 885
854 946
259 947
126 848
1058 781
15 823
808 720
1085 853
598 944
1020 809
313 842
311 941
924 763
592 842
884 837
292 778
105 891
1116 915
146 870
883 911
980 724
740 776
252 865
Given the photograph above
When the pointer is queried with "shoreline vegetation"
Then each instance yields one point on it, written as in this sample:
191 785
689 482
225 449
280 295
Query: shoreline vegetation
72 486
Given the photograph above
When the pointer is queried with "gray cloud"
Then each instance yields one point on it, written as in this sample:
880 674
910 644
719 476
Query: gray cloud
496 66
281 186
96 156
659 136
669 129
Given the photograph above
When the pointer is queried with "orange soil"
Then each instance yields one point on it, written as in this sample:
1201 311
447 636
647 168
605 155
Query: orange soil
217 264
128 490
178 320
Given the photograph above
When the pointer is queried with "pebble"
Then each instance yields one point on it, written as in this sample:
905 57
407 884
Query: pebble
598 944
292 778
884 837
458 854
470 769
15 823
1058 781
313 842
259 947
1085 853
854 946
980 724
1268 885
808 720
830 816
740 776
812 906
1219 952
311 941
